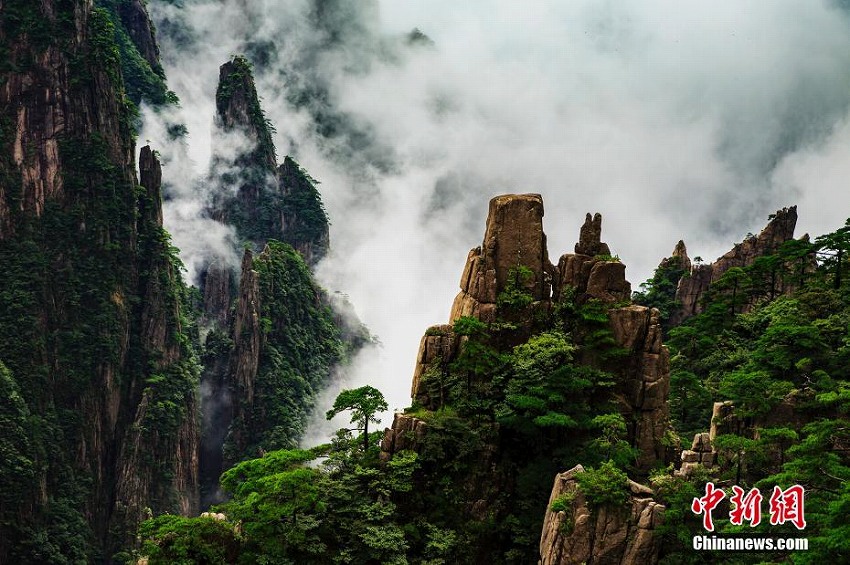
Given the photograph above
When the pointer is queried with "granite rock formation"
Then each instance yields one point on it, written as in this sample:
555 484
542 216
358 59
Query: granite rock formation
645 380
591 272
102 331
513 238
694 284
580 534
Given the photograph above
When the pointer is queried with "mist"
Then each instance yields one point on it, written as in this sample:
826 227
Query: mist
675 121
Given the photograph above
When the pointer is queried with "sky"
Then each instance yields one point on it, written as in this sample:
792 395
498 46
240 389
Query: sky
675 120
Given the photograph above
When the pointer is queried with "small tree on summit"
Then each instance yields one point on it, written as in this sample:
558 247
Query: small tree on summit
364 403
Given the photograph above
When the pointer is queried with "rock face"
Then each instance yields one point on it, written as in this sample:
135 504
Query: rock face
645 380
591 272
245 360
268 326
93 333
679 257
218 285
580 534
437 349
590 237
693 286
406 432
701 453
249 191
238 108
514 238
135 18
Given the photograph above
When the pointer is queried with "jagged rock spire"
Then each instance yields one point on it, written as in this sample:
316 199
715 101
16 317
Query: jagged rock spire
238 107
779 229
590 237
514 238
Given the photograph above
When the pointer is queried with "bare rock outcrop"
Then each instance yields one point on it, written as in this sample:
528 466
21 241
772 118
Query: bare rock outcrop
407 432
693 285
645 380
437 349
590 237
245 359
218 287
579 534
591 271
679 258
514 238
701 453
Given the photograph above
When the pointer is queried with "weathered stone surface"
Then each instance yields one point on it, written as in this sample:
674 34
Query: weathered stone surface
697 280
514 237
645 380
68 156
438 345
247 334
589 272
590 237
724 420
135 18
237 107
406 432
701 453
608 283
218 291
579 535
679 257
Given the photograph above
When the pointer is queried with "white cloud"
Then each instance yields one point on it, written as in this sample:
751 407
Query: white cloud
675 120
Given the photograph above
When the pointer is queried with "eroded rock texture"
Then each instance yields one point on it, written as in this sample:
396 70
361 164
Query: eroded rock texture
591 272
580 534
514 238
693 285
645 382
95 328
407 432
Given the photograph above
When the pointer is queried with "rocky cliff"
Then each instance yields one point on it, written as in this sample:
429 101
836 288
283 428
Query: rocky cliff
273 340
515 295
92 326
698 278
575 532
248 189
513 239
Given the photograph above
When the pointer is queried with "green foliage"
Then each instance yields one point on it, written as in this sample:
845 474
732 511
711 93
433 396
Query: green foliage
680 524
364 403
790 352
175 540
284 510
302 344
17 467
564 502
515 296
302 204
612 443
660 291
604 486
143 81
